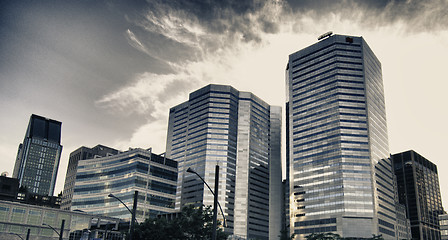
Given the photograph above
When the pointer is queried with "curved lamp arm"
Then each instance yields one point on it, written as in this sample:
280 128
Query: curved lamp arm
219 205
17 235
113 196
44 224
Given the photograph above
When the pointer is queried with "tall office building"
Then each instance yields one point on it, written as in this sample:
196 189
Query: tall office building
418 190
220 125
340 174
153 176
82 153
38 157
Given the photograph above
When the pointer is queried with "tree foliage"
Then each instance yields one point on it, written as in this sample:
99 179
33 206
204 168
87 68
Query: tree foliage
284 234
192 224
323 236
333 236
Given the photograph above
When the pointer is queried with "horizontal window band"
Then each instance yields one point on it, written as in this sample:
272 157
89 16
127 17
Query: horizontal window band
336 45
334 82
336 68
357 217
329 90
330 130
337 55
336 63
338 94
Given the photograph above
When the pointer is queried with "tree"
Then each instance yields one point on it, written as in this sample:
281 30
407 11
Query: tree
333 236
192 224
323 236
284 234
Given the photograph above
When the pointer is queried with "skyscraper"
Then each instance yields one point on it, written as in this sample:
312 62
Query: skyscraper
220 125
38 157
153 176
340 176
419 191
82 153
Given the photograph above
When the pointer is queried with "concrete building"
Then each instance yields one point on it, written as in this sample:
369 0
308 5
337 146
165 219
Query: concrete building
153 176
419 191
82 153
240 133
38 156
339 172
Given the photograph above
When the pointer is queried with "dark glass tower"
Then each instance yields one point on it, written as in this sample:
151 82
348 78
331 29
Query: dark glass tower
38 157
418 190
220 125
340 174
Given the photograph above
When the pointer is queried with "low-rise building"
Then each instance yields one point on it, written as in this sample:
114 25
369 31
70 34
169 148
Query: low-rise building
45 223
153 176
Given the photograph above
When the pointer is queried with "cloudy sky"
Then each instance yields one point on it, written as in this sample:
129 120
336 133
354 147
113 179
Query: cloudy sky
110 70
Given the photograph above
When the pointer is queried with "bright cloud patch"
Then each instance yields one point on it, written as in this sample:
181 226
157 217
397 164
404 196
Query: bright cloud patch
150 95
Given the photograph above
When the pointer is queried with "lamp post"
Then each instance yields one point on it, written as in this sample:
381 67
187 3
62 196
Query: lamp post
60 234
215 199
133 212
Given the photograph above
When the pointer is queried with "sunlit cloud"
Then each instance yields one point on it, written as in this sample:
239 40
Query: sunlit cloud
149 95
134 42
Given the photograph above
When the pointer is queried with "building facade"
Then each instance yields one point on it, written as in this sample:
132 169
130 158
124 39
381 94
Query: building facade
419 191
82 153
153 176
18 218
240 133
340 173
443 221
38 156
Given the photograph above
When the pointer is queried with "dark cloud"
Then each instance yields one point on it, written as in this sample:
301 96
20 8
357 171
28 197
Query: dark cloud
64 55
227 17
69 54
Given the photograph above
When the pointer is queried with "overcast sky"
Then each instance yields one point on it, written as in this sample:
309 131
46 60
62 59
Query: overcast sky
110 70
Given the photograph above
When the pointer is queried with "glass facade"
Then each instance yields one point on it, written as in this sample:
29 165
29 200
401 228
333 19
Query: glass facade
82 153
443 221
154 176
241 133
38 157
419 191
337 164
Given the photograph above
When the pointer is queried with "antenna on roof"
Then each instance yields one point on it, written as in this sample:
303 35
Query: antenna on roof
327 34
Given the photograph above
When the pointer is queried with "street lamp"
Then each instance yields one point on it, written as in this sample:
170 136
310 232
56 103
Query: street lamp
215 200
133 211
17 235
59 233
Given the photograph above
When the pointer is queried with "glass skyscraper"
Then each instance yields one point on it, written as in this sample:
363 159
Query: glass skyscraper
419 191
220 125
154 176
339 172
38 156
